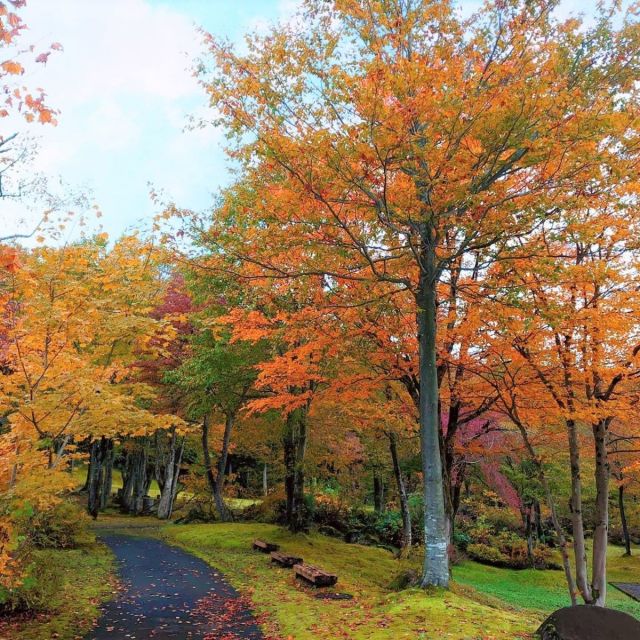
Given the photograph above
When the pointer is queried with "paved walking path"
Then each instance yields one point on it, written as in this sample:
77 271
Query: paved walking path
170 594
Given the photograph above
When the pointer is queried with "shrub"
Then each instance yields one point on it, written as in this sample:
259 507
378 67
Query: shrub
38 590
62 526
272 509
487 554
508 550
499 518
461 539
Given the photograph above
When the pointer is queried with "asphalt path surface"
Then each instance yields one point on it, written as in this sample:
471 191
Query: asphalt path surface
169 594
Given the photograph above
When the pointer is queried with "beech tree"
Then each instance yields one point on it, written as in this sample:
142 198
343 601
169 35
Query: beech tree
569 319
389 142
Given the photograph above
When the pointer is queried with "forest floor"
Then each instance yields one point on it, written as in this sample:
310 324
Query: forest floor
74 582
484 603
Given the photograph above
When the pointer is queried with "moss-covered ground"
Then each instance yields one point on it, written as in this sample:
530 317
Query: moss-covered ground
74 583
376 612
484 602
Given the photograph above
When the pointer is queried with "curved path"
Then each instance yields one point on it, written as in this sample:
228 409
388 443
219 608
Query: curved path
170 594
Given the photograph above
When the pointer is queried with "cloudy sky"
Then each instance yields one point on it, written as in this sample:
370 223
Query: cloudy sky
124 91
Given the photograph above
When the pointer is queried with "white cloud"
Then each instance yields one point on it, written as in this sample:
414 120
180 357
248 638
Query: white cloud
124 90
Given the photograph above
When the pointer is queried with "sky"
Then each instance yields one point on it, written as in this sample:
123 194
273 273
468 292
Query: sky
125 93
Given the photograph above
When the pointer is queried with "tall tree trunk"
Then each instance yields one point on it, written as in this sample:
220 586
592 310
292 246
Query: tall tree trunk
136 477
577 521
294 444
527 517
94 479
300 516
108 475
223 511
623 521
265 485
208 466
542 478
436 560
447 450
405 546
176 477
165 471
216 481
100 454
288 448
601 531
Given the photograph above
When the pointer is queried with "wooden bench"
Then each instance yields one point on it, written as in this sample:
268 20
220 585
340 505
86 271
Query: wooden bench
317 577
265 547
285 560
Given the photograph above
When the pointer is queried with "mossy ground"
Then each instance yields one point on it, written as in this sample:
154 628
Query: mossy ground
484 602
376 612
85 581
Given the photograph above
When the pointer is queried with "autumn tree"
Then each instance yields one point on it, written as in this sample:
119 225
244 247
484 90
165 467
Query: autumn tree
73 319
568 330
392 142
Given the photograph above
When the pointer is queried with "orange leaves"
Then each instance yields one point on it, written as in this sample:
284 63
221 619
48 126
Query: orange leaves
18 97
9 259
12 67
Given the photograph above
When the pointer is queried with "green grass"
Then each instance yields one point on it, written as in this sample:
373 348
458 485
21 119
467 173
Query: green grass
376 612
84 576
80 476
546 591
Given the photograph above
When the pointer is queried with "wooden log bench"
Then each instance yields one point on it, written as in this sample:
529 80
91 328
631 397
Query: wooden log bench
265 547
317 577
285 560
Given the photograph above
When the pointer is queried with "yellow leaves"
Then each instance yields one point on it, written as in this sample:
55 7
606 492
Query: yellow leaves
474 145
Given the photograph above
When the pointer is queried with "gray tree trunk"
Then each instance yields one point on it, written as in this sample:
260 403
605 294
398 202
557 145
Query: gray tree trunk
294 445
167 474
136 478
223 511
99 475
542 478
265 485
577 521
405 547
176 476
436 559
216 481
108 475
623 521
601 531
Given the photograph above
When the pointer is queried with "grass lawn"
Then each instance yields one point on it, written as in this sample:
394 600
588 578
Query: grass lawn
82 579
546 591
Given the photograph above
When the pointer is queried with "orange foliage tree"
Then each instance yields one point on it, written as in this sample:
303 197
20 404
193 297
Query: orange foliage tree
395 143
